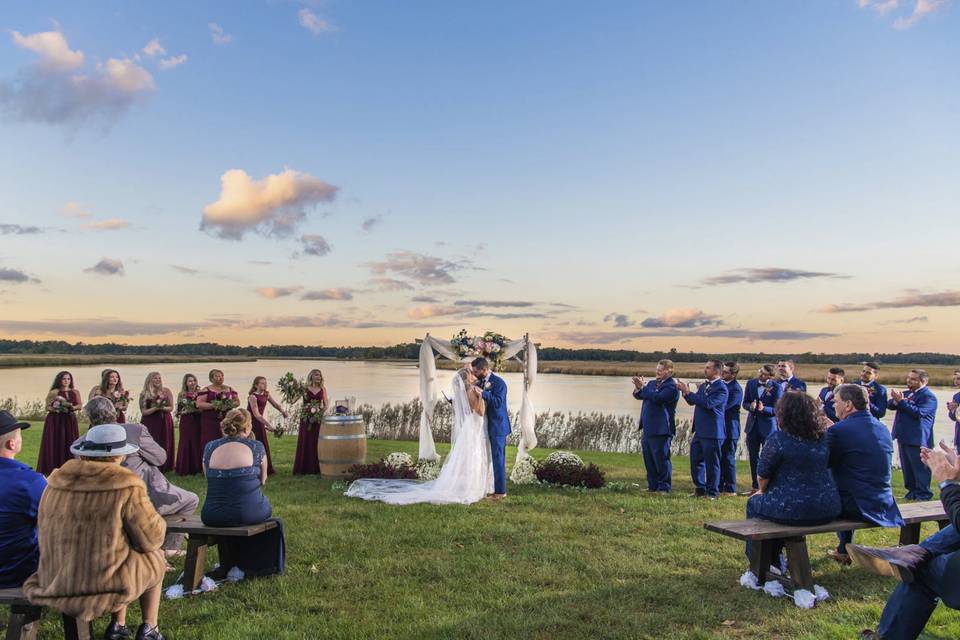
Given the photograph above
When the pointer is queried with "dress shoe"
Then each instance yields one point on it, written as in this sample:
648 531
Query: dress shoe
729 494
901 563
869 634
146 632
116 631
698 493
840 558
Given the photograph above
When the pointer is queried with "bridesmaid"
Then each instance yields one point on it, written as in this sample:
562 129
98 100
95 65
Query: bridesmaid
60 429
210 417
189 453
156 414
111 387
257 403
307 459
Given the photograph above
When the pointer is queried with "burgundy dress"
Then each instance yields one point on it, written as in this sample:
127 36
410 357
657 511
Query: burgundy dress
189 451
307 459
260 431
60 430
121 415
210 420
160 426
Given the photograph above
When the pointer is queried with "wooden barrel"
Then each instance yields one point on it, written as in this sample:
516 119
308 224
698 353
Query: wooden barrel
343 443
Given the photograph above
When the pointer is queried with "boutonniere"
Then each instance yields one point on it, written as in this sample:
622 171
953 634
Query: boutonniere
487 386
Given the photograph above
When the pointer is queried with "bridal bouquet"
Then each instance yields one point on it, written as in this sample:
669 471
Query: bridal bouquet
225 400
490 346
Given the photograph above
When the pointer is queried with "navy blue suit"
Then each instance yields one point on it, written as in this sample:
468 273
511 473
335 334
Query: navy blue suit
709 432
760 424
956 418
861 455
728 451
19 502
498 427
826 400
658 424
793 384
912 429
878 399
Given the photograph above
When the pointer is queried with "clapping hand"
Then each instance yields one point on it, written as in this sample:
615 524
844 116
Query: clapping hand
683 387
952 406
897 395
943 462
758 405
638 382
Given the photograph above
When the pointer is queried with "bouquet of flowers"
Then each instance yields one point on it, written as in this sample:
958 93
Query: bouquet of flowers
187 403
120 399
398 459
159 402
61 405
524 471
225 400
490 346
291 389
312 412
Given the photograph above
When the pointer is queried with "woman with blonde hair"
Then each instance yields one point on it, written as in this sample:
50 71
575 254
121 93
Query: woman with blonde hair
156 414
100 538
315 402
257 401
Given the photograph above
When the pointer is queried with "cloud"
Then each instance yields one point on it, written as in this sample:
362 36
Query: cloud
432 311
682 319
110 224
370 223
880 6
273 206
767 274
619 320
921 9
425 299
913 320
335 293
493 303
18 230
15 276
97 327
154 48
190 271
172 62
56 90
613 337
107 267
390 284
272 293
909 299
75 210
314 245
218 35
422 269
505 316
313 23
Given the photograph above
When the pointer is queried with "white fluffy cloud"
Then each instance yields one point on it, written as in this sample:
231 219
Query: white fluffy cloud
172 62
272 293
314 245
313 23
107 267
273 206
432 311
110 224
921 9
218 35
75 210
682 319
154 48
55 54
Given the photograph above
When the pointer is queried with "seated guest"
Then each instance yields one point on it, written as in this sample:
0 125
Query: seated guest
146 462
789 382
658 424
927 572
796 487
916 411
99 538
861 454
835 377
759 399
877 392
19 500
236 471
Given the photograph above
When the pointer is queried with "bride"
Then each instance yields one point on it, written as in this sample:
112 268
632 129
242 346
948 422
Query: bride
467 473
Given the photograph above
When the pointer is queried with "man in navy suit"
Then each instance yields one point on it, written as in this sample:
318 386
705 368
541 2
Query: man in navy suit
913 428
861 455
788 381
498 422
759 399
731 421
709 431
953 411
658 423
835 377
878 392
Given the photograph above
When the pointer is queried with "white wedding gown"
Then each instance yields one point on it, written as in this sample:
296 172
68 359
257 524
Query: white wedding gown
467 473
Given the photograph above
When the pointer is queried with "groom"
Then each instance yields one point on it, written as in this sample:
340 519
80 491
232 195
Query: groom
498 422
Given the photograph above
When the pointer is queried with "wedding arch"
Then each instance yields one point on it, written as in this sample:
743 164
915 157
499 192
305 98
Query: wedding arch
523 351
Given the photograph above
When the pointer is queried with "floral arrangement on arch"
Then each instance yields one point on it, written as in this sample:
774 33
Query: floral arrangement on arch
490 346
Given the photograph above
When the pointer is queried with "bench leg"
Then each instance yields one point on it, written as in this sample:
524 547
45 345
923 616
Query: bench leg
910 534
24 622
194 562
761 557
798 562
74 629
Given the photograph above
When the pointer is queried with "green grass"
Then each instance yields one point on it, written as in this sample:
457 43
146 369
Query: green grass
543 564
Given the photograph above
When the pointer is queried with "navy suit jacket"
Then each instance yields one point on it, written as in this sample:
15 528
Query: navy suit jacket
861 454
731 415
498 420
956 418
765 420
709 402
878 399
658 413
913 425
793 384
826 397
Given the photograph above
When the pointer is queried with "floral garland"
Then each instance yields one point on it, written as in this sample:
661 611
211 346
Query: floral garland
490 346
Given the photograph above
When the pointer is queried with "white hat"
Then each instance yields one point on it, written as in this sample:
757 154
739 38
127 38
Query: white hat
103 441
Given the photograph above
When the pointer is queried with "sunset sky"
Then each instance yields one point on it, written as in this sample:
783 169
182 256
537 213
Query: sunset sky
719 176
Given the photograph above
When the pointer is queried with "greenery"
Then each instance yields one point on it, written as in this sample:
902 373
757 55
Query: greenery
543 564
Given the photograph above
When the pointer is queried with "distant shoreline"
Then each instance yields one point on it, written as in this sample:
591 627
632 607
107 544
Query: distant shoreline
13 361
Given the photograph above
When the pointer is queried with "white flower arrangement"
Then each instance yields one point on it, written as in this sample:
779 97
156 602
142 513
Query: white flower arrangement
428 469
398 459
564 459
524 471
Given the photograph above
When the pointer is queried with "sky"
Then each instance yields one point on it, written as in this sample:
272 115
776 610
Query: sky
710 176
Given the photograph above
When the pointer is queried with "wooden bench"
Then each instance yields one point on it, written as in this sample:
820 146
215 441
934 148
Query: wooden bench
764 535
200 536
24 621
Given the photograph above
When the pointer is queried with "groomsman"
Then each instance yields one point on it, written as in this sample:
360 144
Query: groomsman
658 424
953 408
876 391
912 429
709 431
759 399
835 377
731 420
788 382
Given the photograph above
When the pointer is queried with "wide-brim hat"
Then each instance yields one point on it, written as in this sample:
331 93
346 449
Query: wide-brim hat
8 423
103 441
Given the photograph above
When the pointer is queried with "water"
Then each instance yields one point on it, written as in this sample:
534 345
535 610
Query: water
378 383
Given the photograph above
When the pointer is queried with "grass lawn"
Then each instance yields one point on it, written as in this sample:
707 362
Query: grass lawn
544 563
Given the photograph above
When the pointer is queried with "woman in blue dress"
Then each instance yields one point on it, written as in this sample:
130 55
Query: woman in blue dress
236 470
796 486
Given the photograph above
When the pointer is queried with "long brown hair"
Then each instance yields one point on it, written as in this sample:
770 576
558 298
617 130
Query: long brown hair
256 381
105 380
59 378
183 385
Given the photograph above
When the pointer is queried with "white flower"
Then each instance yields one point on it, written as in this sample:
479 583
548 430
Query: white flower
428 469
564 458
524 471
398 459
